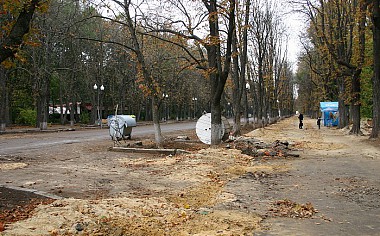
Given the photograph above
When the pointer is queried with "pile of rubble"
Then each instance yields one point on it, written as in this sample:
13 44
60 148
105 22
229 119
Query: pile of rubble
256 148
288 208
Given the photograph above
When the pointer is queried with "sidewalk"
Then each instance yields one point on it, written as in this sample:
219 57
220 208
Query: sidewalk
28 129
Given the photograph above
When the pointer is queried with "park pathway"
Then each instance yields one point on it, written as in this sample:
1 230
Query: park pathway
337 173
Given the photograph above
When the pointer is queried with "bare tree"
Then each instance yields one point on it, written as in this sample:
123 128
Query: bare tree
260 33
240 48
268 57
376 68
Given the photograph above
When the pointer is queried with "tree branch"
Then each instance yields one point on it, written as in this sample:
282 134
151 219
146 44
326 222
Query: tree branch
13 41
107 41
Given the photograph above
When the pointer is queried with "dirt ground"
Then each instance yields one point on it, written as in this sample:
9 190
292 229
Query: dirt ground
333 188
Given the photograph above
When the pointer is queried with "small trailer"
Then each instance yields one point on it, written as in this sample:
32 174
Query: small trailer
121 126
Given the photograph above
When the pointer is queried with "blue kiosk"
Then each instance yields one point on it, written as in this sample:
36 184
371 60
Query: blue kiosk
330 113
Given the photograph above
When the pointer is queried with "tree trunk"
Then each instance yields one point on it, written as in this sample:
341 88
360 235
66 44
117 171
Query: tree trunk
216 123
356 75
94 109
44 116
260 89
216 111
218 70
237 89
376 69
343 113
243 60
156 122
355 103
246 107
239 78
252 95
3 98
61 116
42 113
237 119
72 113
42 99
123 99
148 111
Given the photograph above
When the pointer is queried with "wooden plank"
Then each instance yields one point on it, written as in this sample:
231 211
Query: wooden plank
149 150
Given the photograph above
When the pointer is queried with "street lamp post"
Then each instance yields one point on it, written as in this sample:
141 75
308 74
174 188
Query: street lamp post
165 96
195 106
98 108
247 87
229 110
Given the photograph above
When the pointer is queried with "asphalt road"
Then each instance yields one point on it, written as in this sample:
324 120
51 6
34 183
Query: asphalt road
19 143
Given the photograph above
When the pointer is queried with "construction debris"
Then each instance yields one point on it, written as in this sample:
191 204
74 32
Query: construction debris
288 208
256 148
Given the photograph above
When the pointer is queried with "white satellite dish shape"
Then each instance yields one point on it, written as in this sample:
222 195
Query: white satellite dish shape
203 128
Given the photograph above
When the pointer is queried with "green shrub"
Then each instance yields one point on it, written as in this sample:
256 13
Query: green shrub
55 118
84 118
27 117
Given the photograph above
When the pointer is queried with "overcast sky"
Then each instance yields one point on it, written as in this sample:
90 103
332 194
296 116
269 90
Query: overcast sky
296 24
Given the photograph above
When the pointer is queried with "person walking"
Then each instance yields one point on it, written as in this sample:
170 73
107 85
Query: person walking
300 117
319 122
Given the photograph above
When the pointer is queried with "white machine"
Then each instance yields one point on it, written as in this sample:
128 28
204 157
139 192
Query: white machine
121 126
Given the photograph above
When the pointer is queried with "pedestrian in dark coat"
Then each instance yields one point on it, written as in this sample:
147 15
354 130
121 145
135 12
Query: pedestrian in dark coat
319 122
300 117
